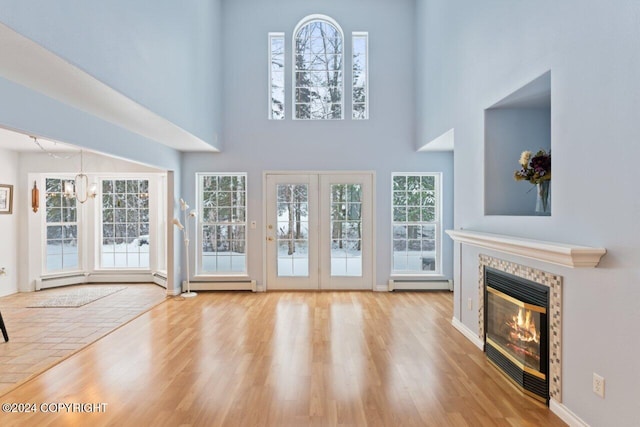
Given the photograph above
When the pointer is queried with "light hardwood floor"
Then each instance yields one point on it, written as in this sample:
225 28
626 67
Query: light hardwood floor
41 337
283 359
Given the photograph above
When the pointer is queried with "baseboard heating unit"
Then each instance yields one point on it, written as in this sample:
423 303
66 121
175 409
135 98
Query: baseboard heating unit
232 285
415 285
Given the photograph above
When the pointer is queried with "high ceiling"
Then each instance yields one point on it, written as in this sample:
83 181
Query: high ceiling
27 63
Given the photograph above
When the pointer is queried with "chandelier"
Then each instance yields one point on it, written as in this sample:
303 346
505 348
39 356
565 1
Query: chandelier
79 188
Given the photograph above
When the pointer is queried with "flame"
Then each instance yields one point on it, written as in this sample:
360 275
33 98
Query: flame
524 328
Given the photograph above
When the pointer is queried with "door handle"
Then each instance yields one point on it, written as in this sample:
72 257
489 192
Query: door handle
270 239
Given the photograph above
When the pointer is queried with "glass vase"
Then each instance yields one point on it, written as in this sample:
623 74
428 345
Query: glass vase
543 201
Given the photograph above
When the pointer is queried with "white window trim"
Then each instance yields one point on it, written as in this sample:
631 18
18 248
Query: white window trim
153 223
199 274
304 21
270 37
80 238
364 34
438 225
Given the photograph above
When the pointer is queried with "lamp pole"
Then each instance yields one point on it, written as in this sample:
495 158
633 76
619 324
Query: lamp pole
184 206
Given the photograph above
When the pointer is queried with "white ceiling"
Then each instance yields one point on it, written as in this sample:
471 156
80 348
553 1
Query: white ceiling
27 63
15 141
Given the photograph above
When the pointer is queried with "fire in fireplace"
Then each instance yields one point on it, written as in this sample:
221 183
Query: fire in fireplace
516 330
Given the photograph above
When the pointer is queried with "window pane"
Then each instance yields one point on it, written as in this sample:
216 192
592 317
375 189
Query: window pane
62 229
360 95
276 76
415 223
125 223
222 223
318 76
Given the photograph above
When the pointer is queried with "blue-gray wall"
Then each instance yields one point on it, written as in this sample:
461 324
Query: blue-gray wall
509 132
476 53
383 144
163 54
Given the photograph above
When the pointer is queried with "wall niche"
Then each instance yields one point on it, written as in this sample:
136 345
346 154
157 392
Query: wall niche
518 122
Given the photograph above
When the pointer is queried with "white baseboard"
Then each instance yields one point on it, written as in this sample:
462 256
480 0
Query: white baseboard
471 336
379 288
420 285
173 292
240 285
566 415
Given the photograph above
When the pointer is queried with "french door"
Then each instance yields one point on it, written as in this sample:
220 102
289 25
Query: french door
319 231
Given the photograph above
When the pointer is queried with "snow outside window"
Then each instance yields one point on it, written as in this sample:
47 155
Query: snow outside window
318 69
125 223
61 238
360 87
416 223
276 76
222 224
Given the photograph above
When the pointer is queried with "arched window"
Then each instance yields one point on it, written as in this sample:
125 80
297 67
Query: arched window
318 59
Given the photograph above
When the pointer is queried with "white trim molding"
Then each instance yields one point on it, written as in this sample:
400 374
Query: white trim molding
468 333
565 414
566 255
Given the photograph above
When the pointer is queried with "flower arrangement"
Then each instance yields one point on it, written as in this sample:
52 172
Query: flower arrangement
534 168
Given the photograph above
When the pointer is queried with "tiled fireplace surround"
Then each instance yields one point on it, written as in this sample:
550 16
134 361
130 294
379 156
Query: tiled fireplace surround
552 281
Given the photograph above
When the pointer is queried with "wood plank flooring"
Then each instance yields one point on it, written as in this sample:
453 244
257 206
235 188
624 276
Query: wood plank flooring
41 337
283 359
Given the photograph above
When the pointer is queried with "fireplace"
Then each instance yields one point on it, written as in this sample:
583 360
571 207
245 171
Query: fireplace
517 330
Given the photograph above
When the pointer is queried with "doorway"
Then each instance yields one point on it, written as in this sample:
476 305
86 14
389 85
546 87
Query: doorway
319 231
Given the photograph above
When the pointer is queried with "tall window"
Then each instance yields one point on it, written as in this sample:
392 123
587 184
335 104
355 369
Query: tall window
318 69
360 87
416 223
125 223
62 228
222 223
276 76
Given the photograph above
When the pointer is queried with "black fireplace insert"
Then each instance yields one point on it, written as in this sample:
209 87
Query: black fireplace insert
517 330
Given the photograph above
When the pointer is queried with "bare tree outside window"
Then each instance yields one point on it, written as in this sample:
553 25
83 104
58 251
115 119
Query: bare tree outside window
318 71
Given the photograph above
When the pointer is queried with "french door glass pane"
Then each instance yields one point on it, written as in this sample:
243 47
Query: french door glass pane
346 230
292 234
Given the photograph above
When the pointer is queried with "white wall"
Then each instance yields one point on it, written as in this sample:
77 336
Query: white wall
9 241
474 54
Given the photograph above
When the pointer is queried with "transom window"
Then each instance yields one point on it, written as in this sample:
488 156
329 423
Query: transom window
318 69
276 76
222 223
416 223
360 75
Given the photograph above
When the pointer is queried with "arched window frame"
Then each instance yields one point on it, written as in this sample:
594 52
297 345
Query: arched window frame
303 22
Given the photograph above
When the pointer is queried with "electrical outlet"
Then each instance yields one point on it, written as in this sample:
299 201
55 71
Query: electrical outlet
598 385
469 304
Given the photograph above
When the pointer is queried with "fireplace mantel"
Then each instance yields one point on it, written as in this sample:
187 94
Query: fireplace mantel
563 254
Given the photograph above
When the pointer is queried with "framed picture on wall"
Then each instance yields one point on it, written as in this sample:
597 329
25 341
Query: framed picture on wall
6 199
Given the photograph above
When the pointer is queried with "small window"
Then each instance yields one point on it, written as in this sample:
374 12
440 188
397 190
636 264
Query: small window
61 238
125 223
318 71
222 224
360 76
276 76
416 227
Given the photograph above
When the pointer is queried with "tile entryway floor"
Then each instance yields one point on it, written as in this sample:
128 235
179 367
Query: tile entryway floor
41 337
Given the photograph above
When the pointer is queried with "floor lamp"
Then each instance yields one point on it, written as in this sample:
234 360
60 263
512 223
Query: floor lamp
185 232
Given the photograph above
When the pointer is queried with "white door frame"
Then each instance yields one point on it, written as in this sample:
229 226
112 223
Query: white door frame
265 207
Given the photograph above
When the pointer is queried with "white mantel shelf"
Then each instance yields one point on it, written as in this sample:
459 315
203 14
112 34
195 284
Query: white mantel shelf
563 254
